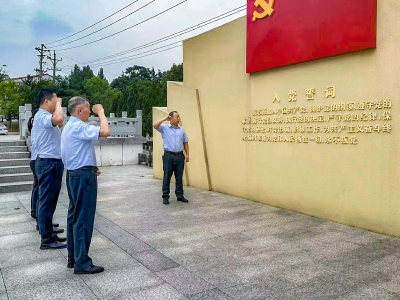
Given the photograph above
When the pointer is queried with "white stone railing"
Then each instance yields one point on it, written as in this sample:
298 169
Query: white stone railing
119 127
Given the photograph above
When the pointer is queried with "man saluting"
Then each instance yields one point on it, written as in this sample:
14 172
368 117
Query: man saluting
78 155
175 141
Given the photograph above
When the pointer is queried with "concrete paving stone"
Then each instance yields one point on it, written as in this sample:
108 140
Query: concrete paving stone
7 198
73 288
371 294
262 242
35 274
189 261
217 275
121 281
369 252
100 242
21 218
124 240
184 281
26 256
12 208
3 296
112 258
154 260
295 235
19 240
389 264
161 292
23 195
394 242
16 228
215 294
305 272
255 291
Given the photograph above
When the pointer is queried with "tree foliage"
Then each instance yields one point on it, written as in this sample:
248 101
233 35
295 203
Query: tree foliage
138 88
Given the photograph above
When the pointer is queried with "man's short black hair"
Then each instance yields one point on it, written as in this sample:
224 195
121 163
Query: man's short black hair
45 94
171 114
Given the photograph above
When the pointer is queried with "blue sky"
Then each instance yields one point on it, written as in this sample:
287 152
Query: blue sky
25 24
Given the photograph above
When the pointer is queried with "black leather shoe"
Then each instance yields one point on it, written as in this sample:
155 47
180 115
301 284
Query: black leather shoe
71 263
61 239
165 201
183 199
91 270
54 245
58 230
56 224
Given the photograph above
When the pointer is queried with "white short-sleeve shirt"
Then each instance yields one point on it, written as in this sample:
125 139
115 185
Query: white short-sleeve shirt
77 144
46 137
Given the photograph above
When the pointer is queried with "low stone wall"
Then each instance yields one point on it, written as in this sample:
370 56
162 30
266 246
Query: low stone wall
119 151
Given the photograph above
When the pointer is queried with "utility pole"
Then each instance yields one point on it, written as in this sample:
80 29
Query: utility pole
42 50
54 62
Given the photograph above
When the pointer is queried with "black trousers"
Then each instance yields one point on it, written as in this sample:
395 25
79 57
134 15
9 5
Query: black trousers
173 164
49 172
82 192
35 191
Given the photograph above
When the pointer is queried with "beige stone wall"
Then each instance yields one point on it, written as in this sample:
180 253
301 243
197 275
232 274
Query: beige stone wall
354 185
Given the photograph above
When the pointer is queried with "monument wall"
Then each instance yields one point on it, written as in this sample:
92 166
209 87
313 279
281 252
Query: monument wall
319 138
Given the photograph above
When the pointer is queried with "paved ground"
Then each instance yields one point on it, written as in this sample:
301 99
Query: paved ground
215 247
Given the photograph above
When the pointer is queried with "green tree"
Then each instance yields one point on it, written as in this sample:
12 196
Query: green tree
100 92
3 74
11 98
101 74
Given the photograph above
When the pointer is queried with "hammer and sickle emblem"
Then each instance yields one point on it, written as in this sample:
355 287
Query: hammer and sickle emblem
266 6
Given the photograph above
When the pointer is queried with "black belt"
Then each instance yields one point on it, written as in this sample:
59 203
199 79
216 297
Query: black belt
86 168
174 153
49 159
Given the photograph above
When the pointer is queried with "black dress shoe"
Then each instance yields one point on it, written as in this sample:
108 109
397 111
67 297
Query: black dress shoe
60 239
56 224
58 230
183 199
71 263
165 201
54 245
91 270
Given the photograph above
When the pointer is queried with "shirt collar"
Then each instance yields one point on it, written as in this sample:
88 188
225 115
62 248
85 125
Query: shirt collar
44 111
169 125
74 119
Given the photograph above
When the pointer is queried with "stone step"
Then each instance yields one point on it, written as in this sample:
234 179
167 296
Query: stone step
15 143
6 178
15 162
13 149
15 187
12 155
15 170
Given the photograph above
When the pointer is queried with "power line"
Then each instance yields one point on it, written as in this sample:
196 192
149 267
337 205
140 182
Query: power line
118 60
176 34
94 23
106 26
142 56
124 29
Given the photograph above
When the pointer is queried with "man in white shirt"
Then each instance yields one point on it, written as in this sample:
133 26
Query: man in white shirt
49 167
78 156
